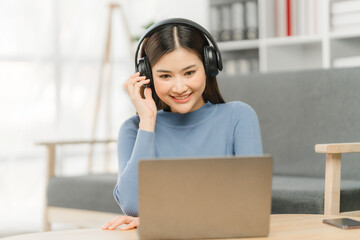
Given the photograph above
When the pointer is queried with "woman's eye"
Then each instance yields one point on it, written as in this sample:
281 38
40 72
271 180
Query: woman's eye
189 73
165 76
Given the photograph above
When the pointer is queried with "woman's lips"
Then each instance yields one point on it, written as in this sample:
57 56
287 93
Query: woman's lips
183 98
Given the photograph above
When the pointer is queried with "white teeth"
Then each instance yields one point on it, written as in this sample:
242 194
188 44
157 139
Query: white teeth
180 98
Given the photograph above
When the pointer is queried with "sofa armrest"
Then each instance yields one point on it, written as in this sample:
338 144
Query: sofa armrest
338 148
50 172
333 153
51 151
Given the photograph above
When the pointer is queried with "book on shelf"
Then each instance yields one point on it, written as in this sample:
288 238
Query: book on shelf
243 63
241 66
300 8
251 19
234 20
346 28
345 19
288 17
238 21
226 31
296 17
345 15
215 23
280 18
230 67
347 6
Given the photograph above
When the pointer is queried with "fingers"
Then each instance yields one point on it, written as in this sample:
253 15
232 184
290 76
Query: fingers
133 85
106 225
141 83
111 225
137 88
131 222
133 79
129 226
118 221
147 93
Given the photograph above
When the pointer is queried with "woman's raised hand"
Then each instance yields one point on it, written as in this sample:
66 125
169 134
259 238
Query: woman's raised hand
145 107
128 222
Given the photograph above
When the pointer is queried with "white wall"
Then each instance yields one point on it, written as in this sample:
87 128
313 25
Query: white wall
143 11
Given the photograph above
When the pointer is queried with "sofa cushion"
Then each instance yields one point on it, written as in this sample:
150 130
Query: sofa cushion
297 110
306 195
89 192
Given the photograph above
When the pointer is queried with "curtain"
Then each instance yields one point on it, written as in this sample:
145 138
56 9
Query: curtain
50 57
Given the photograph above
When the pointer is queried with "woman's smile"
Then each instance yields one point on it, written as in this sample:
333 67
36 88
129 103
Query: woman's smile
182 99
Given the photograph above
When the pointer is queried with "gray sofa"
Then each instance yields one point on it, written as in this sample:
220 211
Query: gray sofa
296 110
89 192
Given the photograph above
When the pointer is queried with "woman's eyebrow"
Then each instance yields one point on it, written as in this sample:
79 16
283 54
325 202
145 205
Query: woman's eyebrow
165 71
185 68
188 67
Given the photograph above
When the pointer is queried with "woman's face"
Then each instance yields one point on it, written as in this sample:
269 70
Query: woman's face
179 80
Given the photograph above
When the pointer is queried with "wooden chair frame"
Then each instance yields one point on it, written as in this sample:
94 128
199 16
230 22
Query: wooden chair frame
80 218
333 153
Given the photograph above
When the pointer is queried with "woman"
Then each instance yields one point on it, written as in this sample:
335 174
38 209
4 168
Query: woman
181 112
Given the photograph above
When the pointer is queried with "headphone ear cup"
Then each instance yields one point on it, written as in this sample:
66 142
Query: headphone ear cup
144 68
210 61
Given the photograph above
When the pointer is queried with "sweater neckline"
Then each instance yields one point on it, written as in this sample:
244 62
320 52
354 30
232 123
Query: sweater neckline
192 118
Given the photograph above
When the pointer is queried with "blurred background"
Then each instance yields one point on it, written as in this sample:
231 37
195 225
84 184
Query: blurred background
51 53
61 73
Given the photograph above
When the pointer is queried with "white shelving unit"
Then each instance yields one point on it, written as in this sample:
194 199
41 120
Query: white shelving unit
302 52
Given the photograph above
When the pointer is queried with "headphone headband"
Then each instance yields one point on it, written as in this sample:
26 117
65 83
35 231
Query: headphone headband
180 21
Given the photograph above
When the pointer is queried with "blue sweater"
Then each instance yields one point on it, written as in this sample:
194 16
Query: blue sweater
213 130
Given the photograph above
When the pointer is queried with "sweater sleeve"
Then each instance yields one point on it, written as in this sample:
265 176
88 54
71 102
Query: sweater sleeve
133 145
247 135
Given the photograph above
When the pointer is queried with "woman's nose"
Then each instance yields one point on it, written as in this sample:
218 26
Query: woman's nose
179 85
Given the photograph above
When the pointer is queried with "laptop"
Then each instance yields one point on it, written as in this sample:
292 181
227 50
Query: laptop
228 197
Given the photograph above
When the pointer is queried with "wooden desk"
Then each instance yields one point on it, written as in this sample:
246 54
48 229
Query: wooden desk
284 226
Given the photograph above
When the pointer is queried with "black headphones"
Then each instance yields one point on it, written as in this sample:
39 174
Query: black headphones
212 57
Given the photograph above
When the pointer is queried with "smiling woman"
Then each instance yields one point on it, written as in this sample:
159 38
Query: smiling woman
178 110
